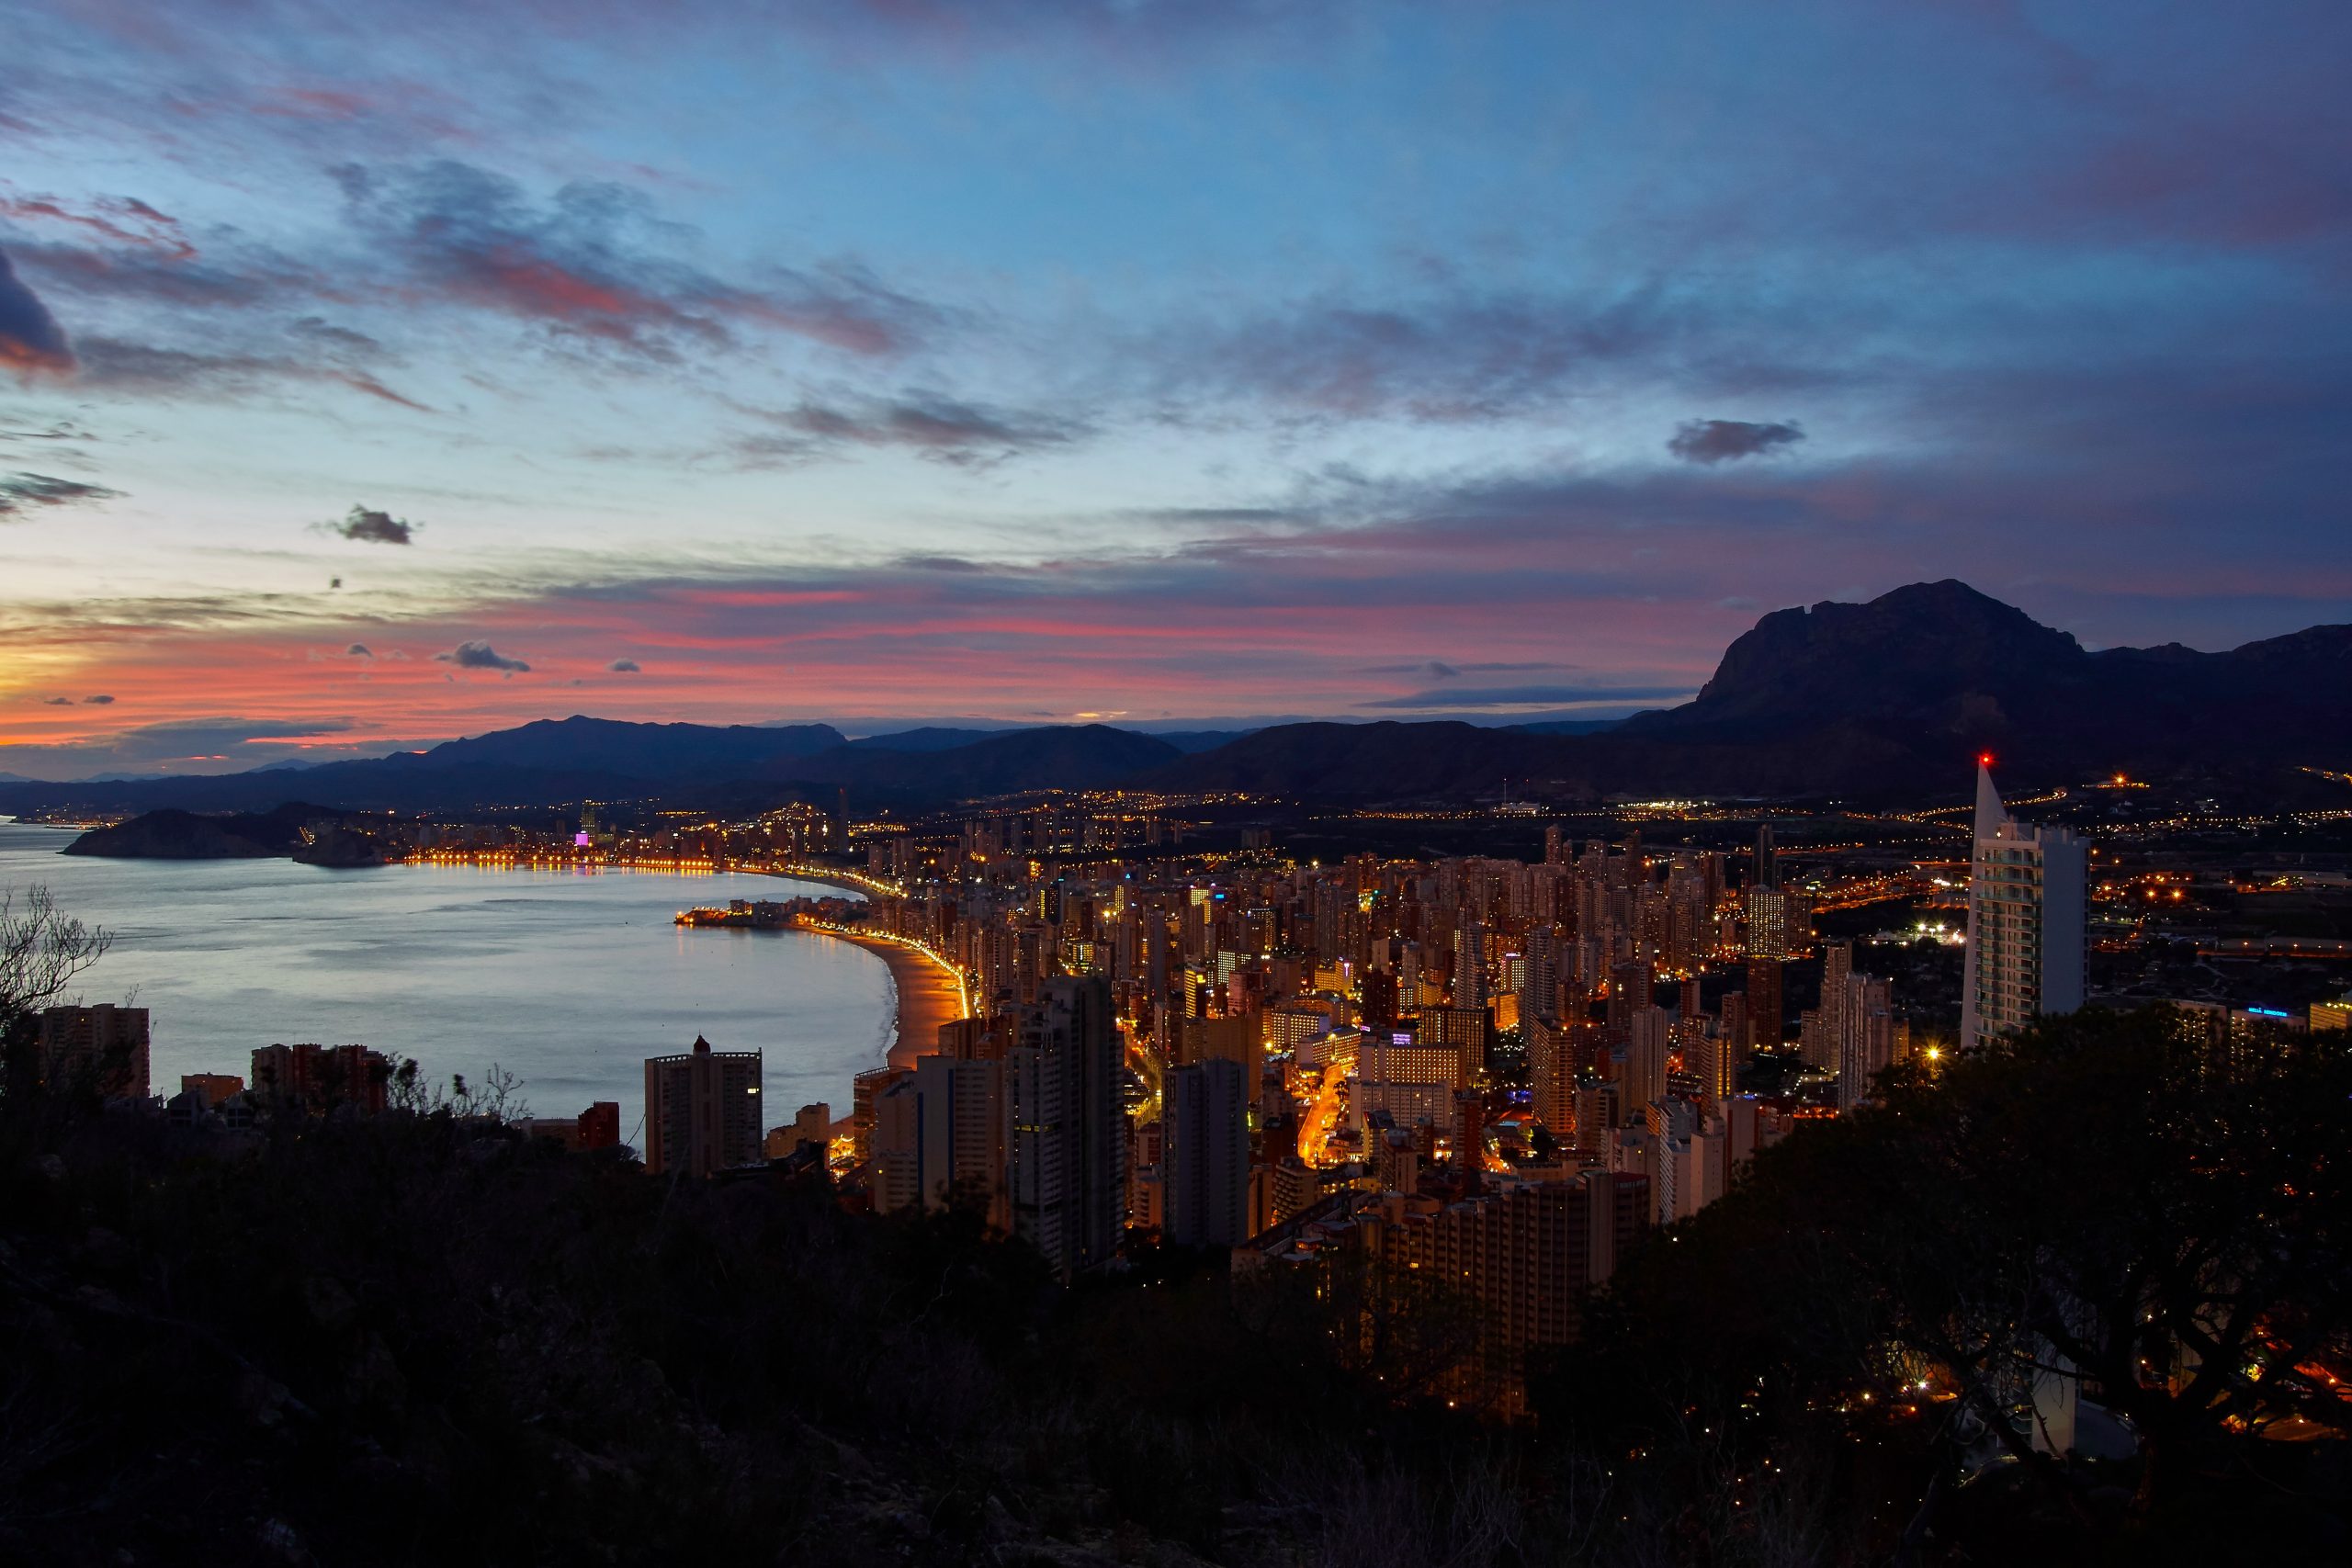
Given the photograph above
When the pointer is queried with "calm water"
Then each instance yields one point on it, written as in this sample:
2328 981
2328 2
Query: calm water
567 980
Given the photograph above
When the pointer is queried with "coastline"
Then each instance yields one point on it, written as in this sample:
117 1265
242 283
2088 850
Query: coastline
927 998
842 880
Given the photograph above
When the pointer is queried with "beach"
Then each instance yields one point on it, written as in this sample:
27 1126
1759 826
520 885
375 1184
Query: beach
928 996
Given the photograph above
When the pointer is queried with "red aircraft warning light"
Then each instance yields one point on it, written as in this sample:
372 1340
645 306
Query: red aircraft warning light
1985 759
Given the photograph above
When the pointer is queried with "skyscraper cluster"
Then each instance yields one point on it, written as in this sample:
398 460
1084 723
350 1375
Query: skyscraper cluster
1509 1067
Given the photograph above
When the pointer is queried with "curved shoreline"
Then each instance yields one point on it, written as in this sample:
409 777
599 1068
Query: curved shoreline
842 880
926 997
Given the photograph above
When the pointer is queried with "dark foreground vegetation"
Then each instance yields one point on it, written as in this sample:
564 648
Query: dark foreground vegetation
418 1339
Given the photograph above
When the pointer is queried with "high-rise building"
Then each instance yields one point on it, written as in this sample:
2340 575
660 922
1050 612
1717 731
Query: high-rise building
961 1102
1869 1037
1539 987
322 1077
701 1111
1689 1159
894 1174
1824 1044
1765 1014
1521 1258
1239 1039
865 1091
938 1138
102 1048
1737 1033
1205 1155
1460 1030
600 1125
1470 967
2026 922
1068 1151
1648 1044
1778 921
1380 999
211 1088
1552 1073
1716 1066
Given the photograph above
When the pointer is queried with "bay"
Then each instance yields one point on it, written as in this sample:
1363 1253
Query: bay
567 980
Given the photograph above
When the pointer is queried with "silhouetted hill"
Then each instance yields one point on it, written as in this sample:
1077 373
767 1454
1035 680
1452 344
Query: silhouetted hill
580 744
182 835
1940 671
1888 698
1086 756
1929 654
930 737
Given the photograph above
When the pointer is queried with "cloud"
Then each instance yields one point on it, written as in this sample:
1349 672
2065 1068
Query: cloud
1727 440
32 343
156 371
99 700
370 527
359 650
20 492
1438 669
58 702
123 220
958 564
1527 696
479 656
596 261
202 745
624 667
930 424
1438 358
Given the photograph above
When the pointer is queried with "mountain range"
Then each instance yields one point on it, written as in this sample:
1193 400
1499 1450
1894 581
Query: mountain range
1888 699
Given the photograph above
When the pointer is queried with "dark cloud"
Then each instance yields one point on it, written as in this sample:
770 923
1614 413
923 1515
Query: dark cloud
625 667
32 343
58 702
596 261
940 428
479 656
155 371
359 650
144 276
198 745
1437 669
1527 696
19 494
1726 439
100 701
368 525
1443 359
940 563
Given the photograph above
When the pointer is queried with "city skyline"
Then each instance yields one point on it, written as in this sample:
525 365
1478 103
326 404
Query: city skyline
1130 362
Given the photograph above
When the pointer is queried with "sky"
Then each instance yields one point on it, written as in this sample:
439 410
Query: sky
372 375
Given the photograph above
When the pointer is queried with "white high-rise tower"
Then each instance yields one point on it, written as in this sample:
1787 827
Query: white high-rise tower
2025 921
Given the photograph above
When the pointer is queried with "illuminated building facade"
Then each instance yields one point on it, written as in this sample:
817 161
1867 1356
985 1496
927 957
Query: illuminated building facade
701 1111
2026 922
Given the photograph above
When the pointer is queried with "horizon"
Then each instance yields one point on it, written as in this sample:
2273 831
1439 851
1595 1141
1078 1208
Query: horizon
368 382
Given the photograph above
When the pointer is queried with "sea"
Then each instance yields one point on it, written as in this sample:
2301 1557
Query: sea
566 979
